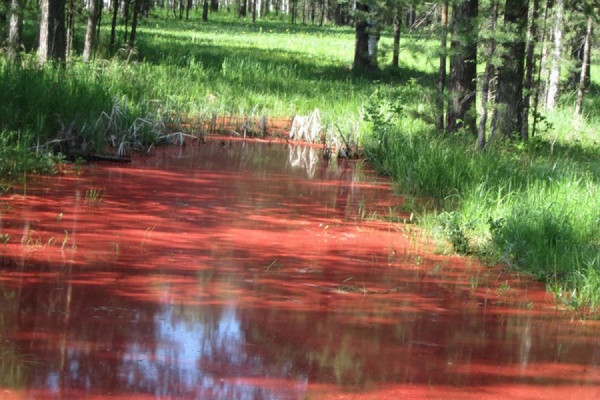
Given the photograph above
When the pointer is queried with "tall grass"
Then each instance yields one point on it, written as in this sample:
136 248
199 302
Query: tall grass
533 206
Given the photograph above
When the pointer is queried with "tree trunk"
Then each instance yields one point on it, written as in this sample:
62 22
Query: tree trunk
205 11
134 22
584 78
462 82
509 95
554 78
100 11
361 44
113 25
52 44
442 71
323 12
487 77
541 62
374 31
90 32
126 5
214 5
15 30
188 6
70 28
529 67
410 17
397 32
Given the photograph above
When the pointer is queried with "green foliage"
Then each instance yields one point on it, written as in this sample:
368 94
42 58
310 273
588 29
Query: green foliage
456 231
532 206
17 159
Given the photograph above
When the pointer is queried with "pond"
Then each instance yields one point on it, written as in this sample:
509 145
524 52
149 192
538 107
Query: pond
253 270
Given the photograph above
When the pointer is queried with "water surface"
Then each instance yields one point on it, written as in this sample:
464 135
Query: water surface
249 270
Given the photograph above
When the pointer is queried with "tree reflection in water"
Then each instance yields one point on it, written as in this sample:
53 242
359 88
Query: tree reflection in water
249 270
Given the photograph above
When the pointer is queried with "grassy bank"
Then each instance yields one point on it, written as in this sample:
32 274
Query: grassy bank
531 206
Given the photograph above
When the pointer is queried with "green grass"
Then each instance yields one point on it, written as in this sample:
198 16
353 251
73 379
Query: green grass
532 206
190 70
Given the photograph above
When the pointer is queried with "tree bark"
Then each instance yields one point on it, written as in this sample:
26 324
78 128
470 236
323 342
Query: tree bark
442 70
554 78
397 32
362 60
134 22
15 30
90 32
374 32
529 67
508 114
70 28
205 11
541 62
584 78
113 26
126 5
52 42
462 82
487 77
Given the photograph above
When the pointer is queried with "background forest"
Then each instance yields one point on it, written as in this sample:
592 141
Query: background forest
482 112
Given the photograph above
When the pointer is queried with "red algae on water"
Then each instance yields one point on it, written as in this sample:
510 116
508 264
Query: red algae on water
254 270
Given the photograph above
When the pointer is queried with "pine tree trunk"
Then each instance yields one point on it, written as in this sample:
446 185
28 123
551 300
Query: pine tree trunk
442 70
487 77
52 42
126 5
70 28
374 32
397 31
584 78
134 22
508 113
113 26
100 12
90 32
15 30
529 67
205 11
554 79
361 42
323 12
541 63
462 82
188 7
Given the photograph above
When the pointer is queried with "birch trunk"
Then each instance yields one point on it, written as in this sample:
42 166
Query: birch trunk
583 79
554 78
15 30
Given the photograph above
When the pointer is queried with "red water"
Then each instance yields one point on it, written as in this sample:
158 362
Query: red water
244 270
